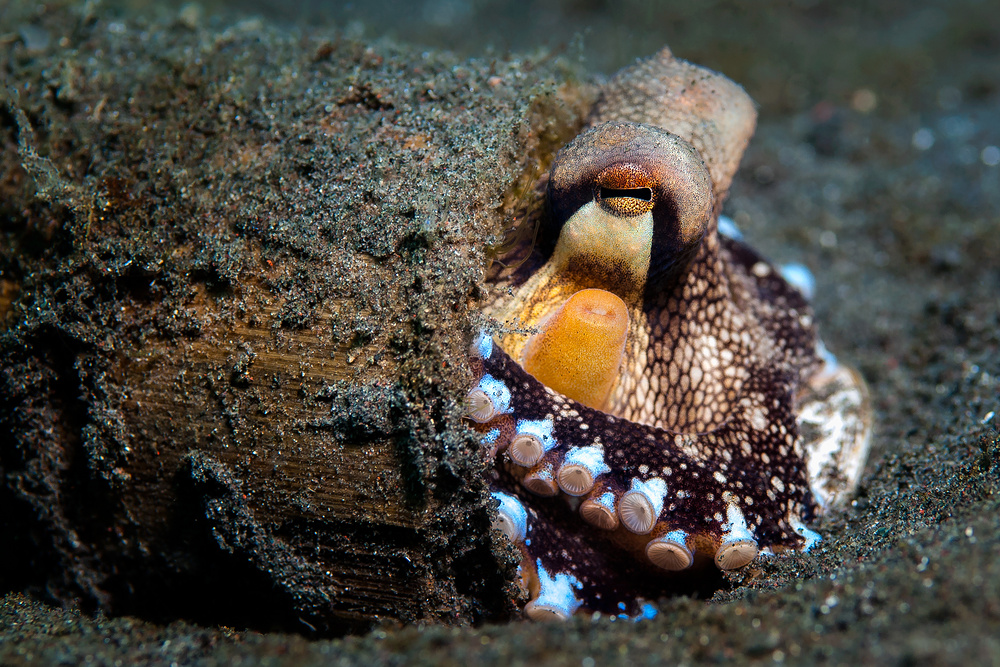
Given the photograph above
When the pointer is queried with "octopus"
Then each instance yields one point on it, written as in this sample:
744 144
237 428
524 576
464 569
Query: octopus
657 401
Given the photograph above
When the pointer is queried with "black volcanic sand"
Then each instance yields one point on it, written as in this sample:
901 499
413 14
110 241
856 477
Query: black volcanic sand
873 166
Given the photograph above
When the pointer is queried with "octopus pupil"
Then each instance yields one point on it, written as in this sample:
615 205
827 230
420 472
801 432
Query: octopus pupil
645 194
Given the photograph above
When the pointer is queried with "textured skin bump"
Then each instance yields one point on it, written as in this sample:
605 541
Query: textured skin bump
581 346
709 422
707 110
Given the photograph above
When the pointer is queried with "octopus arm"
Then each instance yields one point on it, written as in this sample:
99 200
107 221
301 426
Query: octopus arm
670 501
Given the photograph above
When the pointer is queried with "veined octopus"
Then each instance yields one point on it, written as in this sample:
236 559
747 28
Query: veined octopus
674 406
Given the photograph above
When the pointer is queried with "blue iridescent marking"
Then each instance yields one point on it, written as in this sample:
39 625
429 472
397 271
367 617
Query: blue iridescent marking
608 500
827 356
799 277
646 611
557 592
540 428
512 509
483 345
591 458
654 489
729 228
811 536
678 536
735 528
498 393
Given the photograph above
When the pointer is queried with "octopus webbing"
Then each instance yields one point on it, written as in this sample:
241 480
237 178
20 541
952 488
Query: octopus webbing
661 401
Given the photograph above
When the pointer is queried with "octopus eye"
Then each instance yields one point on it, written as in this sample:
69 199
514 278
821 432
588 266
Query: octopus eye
626 202
644 194
624 190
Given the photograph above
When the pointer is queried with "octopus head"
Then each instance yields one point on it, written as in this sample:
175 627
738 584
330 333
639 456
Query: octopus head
629 203
629 206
